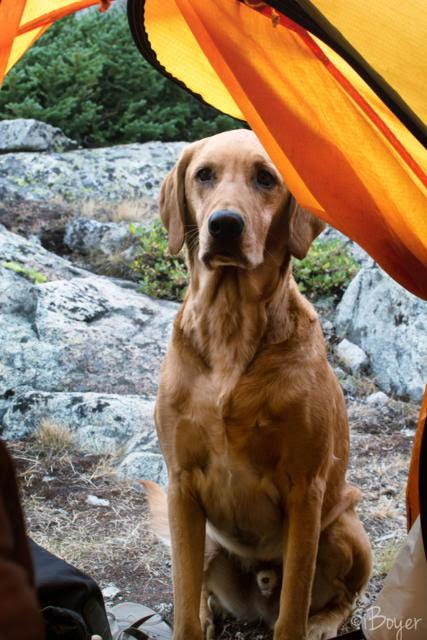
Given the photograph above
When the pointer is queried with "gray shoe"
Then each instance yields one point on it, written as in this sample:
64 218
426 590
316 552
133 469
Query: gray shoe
129 620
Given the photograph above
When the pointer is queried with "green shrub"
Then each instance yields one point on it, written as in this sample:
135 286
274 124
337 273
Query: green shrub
160 275
86 76
325 271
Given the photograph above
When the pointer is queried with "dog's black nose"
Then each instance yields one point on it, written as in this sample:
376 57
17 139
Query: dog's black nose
225 224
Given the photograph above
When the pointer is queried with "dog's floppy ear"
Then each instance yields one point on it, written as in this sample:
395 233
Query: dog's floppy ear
303 229
172 201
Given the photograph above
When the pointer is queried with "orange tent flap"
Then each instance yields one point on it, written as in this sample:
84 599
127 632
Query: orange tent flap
344 155
23 21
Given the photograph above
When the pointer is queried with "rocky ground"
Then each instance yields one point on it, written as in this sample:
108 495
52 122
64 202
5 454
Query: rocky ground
109 536
80 353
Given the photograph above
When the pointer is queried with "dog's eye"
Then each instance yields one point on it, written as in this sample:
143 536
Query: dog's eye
265 179
204 175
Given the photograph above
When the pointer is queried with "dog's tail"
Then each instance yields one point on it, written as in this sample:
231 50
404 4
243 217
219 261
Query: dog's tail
158 505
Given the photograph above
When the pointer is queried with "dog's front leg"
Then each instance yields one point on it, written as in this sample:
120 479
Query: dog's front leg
303 505
187 525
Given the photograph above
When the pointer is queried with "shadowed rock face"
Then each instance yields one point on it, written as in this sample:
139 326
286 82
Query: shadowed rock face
84 235
82 350
390 324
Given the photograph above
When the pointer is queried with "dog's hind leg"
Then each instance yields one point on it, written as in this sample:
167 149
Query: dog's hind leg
343 569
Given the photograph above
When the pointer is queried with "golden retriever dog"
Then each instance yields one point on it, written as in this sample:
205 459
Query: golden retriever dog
250 416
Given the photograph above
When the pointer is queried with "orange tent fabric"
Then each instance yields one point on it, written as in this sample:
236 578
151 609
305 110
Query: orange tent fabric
23 21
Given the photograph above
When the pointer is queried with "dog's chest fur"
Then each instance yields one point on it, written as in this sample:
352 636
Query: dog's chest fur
232 458
237 449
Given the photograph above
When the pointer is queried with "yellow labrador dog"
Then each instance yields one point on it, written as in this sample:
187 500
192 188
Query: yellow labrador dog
250 416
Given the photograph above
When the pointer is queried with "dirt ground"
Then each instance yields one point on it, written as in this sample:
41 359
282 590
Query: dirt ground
113 542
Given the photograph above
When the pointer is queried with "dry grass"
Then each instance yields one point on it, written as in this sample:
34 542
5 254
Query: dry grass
141 210
385 557
54 438
132 211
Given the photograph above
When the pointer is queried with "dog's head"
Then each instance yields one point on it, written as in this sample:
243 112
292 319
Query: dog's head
228 201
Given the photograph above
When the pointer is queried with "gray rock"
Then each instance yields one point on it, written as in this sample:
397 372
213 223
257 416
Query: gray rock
390 324
87 334
379 398
121 425
110 591
140 465
352 356
31 135
83 351
100 423
83 334
87 179
85 235
94 501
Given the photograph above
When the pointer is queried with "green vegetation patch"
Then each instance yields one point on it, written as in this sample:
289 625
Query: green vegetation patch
160 275
30 274
326 271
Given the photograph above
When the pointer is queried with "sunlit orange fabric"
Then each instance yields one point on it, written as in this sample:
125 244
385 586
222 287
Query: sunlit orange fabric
336 160
412 493
23 21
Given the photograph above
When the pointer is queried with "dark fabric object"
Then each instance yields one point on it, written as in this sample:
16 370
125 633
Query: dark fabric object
20 616
422 479
64 624
63 590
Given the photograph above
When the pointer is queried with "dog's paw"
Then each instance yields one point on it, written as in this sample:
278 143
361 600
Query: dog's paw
208 618
320 628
